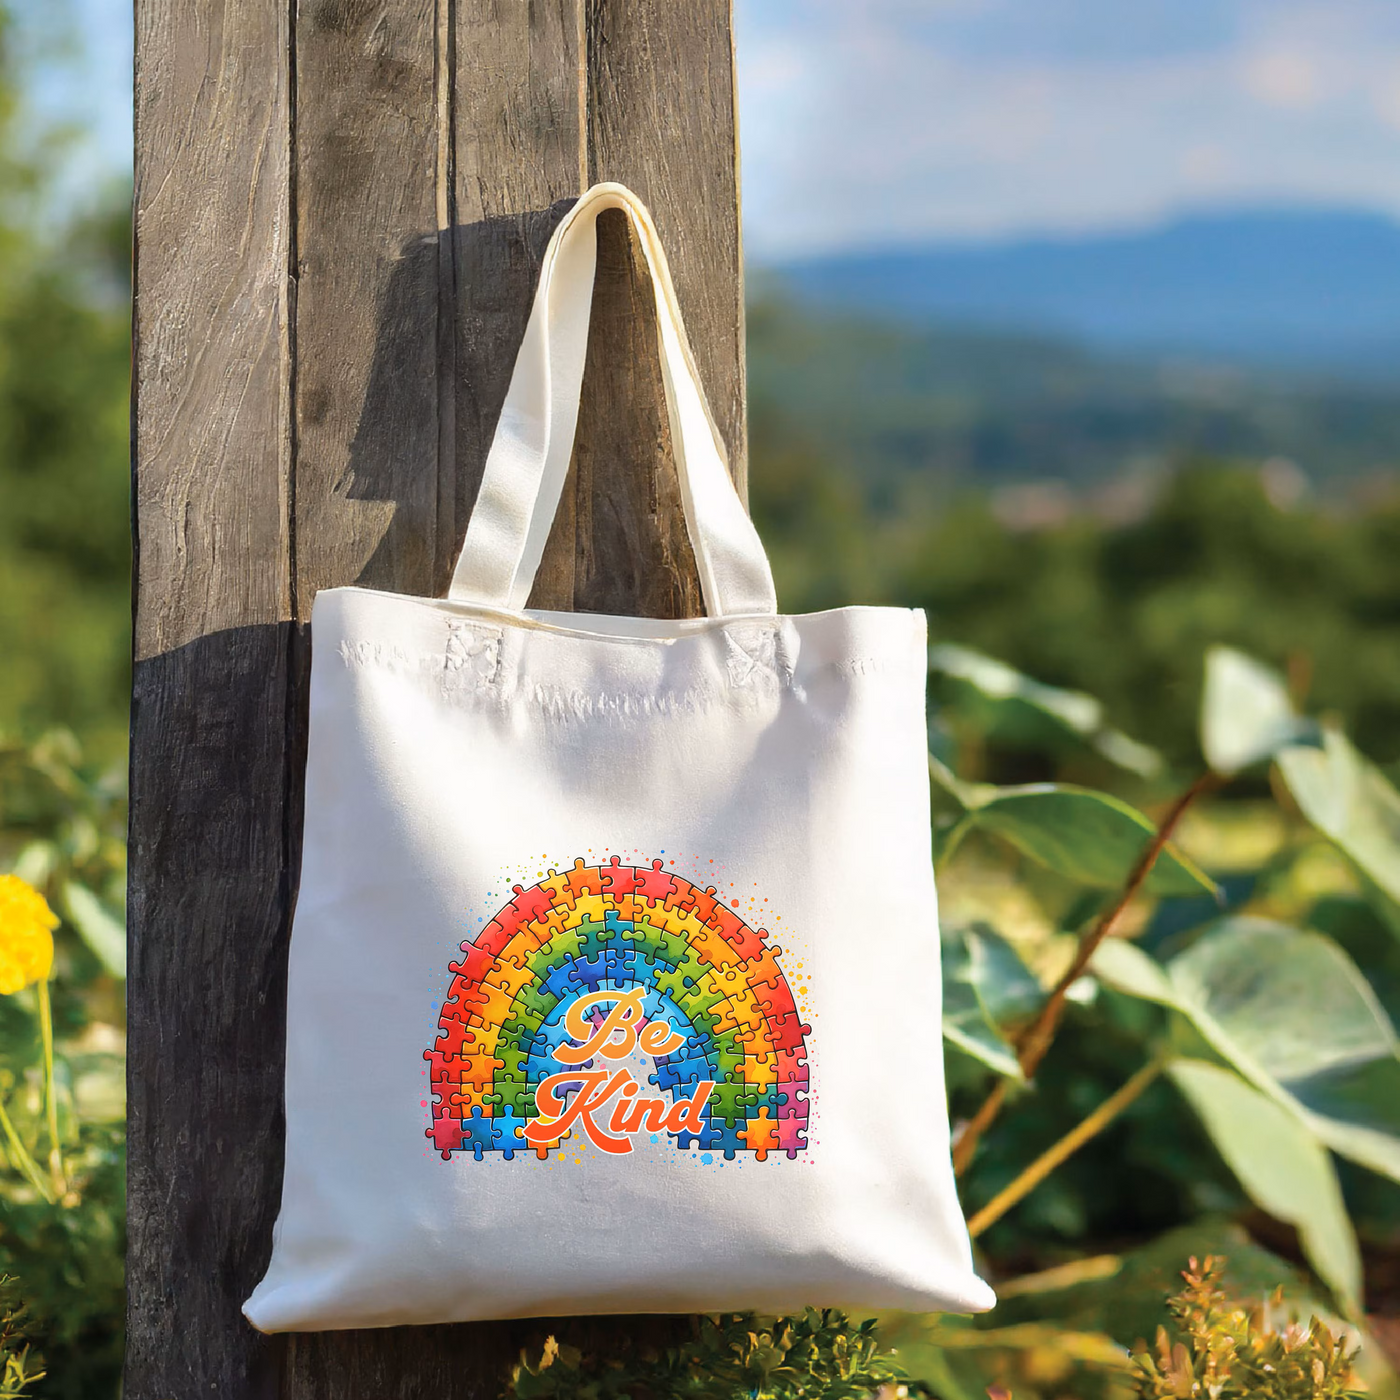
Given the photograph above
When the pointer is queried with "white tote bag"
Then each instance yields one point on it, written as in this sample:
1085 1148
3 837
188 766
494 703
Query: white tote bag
614 976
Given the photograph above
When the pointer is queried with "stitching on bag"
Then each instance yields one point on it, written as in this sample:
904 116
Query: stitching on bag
473 654
559 703
759 658
360 654
864 666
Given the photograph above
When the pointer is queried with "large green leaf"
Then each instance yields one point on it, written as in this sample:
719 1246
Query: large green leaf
1090 837
1281 1165
1349 800
1008 705
1292 1013
1246 715
985 986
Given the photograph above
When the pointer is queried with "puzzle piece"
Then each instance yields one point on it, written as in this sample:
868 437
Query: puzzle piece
792 1100
740 1011
659 945
655 885
725 1137
618 879
760 1135
478 1133
759 1069
701 903
510 1132
764 970
444 1092
519 1099
509 976
443 1065
730 977
596 936
584 879
497 934
446 1134
464 1097
775 999
792 1137
732 1102
489 1003
788 1032
679 1075
474 963
533 903
464 1038
712 950
747 944
561 892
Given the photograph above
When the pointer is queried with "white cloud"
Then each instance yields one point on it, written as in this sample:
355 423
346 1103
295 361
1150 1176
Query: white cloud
880 121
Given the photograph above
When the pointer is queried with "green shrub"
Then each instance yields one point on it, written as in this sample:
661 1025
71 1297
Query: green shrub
1221 1351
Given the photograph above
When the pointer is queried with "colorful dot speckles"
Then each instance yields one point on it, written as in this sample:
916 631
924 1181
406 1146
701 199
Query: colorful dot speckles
599 962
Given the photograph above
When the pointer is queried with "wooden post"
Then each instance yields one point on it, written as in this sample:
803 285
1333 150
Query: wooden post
340 208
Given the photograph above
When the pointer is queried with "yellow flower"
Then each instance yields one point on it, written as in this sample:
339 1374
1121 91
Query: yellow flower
26 935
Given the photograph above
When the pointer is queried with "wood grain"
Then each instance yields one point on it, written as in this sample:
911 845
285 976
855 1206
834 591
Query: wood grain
214 798
366 328
518 137
341 207
661 120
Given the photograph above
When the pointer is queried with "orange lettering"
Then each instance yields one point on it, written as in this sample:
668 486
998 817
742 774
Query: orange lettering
685 1113
623 1017
647 1115
659 1039
556 1119
617 1123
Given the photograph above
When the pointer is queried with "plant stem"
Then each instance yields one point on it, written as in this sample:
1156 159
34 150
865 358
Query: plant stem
26 1163
1067 1146
56 1171
1035 1040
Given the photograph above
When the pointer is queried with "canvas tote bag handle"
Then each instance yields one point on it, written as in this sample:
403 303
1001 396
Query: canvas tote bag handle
530 453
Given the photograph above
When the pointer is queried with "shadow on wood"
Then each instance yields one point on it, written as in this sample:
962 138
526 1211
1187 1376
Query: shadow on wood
218 745
619 541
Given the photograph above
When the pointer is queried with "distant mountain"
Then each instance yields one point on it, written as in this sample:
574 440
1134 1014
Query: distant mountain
896 405
1287 287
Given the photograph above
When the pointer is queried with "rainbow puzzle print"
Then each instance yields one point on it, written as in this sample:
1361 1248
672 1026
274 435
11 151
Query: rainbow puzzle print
595 964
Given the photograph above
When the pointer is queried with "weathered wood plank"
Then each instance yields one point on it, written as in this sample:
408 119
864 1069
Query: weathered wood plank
328 306
366 327
213 808
518 139
660 119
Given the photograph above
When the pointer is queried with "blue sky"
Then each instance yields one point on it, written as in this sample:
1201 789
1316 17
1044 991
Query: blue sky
895 121
870 122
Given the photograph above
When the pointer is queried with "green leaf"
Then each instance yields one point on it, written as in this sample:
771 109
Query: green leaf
1281 1166
966 795
1016 708
1350 801
36 863
1090 837
1291 1012
985 986
101 930
1246 715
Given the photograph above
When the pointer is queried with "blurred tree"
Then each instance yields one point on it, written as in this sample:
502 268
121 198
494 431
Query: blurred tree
64 478
1124 611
